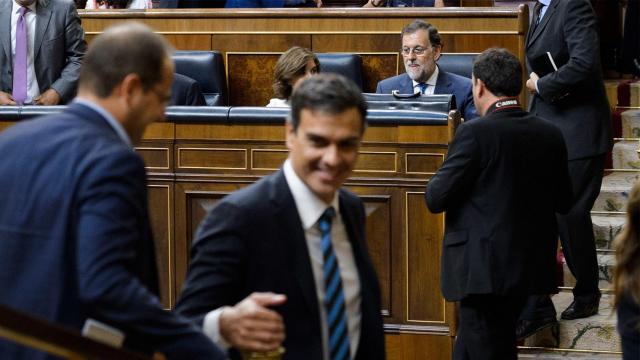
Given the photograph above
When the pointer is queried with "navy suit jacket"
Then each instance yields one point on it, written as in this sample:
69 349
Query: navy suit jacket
186 91
447 83
75 240
253 240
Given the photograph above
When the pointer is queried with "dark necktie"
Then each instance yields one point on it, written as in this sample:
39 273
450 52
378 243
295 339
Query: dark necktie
423 87
537 10
334 295
20 61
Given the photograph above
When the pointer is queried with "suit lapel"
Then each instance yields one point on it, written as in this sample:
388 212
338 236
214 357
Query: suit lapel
43 17
406 85
5 30
545 20
291 230
443 84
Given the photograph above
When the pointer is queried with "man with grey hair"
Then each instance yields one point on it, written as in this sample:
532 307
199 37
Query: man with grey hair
421 49
75 239
40 56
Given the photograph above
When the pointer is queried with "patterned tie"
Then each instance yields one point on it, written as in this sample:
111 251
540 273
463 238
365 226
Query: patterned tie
334 296
423 87
20 61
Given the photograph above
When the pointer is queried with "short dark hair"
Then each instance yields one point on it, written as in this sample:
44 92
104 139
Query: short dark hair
329 93
500 71
415 25
291 64
129 48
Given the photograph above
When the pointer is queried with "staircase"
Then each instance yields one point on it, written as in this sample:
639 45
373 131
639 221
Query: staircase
596 337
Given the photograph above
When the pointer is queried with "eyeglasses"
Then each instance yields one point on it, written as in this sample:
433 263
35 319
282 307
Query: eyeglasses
418 50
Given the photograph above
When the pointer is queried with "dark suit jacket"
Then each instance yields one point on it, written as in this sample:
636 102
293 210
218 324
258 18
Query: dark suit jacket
75 241
503 181
58 49
447 83
573 97
253 240
186 91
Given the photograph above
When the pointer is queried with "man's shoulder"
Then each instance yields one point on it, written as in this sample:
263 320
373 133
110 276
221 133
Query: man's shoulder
392 81
458 81
256 195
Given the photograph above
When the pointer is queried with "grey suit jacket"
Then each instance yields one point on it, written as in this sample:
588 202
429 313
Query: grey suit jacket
58 49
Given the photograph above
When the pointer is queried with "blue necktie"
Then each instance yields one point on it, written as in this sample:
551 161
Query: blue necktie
334 296
423 87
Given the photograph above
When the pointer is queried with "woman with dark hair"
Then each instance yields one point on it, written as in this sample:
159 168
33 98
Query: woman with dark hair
626 280
294 65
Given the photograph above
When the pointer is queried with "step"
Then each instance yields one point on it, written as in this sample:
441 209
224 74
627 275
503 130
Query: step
606 228
630 123
625 155
606 264
615 191
596 333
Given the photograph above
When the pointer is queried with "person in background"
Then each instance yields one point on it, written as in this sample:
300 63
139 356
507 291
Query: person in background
404 3
118 4
421 48
298 234
75 238
504 179
292 67
186 91
626 279
43 52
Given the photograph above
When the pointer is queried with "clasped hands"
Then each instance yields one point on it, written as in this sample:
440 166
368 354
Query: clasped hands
251 326
531 83
49 97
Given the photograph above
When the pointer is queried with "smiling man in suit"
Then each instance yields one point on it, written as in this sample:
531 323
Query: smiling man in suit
43 45
573 98
421 48
298 234
75 239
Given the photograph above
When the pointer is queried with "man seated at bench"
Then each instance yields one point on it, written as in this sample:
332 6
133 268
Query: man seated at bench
421 48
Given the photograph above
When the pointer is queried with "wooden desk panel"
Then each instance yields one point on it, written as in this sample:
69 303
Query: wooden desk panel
252 39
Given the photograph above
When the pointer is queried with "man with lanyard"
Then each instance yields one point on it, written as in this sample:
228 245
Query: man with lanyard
503 181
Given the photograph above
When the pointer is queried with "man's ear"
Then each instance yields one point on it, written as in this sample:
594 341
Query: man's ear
437 51
289 133
130 87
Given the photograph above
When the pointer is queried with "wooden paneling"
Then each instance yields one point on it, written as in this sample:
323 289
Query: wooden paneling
418 347
374 33
161 218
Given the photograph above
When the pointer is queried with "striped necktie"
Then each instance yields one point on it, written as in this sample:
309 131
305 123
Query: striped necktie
334 296
423 87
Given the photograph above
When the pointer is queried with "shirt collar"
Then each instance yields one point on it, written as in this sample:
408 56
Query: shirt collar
545 2
433 79
117 127
310 207
17 7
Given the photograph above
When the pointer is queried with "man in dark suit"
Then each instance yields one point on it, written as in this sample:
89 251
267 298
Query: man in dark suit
564 34
75 240
186 91
503 181
296 233
53 46
421 48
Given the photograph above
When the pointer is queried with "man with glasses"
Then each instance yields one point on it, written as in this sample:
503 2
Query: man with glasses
421 48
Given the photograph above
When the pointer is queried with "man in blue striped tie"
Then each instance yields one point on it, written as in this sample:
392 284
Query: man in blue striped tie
289 250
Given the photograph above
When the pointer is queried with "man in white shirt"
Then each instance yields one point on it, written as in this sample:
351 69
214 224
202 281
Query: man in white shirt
41 56
299 236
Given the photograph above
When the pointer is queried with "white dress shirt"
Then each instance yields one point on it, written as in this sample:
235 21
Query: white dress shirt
433 79
310 208
33 90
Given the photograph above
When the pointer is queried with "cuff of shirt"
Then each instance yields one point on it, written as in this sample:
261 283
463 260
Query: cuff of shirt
535 83
211 328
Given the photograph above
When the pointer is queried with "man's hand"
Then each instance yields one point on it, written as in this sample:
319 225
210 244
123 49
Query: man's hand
6 99
318 3
531 82
251 326
49 97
